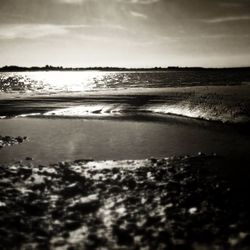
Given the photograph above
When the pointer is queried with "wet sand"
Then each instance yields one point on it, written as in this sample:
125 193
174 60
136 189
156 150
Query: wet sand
170 203
219 103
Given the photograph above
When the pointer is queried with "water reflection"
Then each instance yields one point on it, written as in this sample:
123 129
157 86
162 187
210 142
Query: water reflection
50 82
47 82
53 140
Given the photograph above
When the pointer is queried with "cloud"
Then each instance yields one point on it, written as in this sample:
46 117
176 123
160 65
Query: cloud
227 19
72 1
138 15
30 31
121 1
231 5
139 1
34 31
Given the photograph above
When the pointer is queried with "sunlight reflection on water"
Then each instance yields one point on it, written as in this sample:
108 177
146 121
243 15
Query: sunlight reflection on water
52 81
48 82
64 81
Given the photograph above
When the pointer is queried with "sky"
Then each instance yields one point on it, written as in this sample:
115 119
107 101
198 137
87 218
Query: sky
125 33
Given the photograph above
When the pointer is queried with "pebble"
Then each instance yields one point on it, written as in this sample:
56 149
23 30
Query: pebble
153 160
201 154
192 210
86 204
2 204
10 141
115 189
72 190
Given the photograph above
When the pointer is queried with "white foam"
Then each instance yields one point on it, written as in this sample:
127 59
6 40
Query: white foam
88 110
216 112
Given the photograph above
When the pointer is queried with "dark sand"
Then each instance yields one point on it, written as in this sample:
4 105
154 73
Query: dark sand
172 203
199 202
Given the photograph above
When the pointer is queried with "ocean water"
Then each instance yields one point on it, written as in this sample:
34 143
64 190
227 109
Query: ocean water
217 95
124 115
78 81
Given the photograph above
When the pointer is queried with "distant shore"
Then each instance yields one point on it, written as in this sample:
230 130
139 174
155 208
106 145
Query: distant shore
14 68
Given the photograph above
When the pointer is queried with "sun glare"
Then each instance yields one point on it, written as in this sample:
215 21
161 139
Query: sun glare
55 81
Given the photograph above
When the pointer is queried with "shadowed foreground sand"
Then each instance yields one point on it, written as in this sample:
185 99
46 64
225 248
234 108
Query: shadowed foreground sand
170 203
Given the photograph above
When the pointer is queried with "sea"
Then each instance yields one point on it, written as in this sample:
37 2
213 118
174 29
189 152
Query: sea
69 115
50 82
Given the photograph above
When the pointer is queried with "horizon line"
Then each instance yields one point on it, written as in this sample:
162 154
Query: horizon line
51 67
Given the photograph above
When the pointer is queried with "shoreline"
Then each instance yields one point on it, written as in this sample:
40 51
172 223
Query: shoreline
239 90
227 104
14 68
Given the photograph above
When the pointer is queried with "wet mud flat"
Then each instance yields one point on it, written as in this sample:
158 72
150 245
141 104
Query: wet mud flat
227 104
169 203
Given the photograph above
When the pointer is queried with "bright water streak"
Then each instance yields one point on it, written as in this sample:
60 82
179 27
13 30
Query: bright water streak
48 82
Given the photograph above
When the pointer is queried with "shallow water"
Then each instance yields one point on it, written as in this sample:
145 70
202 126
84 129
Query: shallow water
50 82
217 97
229 104
53 140
109 98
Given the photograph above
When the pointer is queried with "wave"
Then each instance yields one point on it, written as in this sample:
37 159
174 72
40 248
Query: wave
89 110
228 104
212 113
222 113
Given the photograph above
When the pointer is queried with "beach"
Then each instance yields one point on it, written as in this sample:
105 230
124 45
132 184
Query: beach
124 125
117 168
